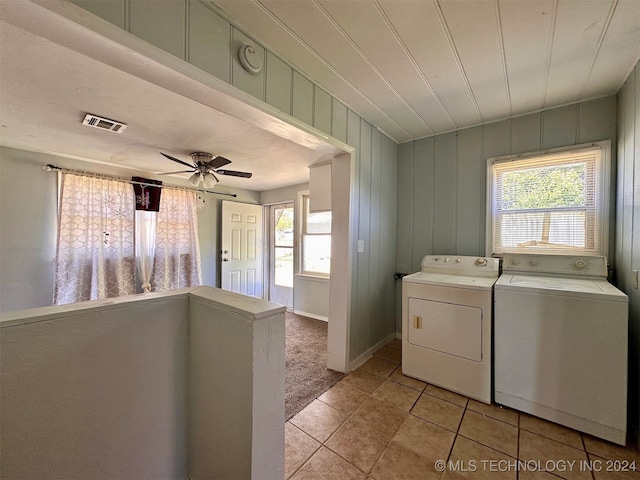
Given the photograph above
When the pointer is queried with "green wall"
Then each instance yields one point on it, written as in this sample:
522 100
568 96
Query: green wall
627 246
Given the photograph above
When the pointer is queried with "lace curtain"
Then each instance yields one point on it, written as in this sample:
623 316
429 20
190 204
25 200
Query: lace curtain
101 239
177 256
95 251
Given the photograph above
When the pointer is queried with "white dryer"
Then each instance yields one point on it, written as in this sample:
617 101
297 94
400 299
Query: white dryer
446 334
561 342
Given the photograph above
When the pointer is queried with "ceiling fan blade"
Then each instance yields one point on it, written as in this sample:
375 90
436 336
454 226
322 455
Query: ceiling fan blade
171 173
218 162
176 160
233 173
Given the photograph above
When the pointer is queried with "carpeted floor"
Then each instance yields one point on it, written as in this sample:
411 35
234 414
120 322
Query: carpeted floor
306 371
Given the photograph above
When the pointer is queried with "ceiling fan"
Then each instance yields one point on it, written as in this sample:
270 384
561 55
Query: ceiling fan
205 167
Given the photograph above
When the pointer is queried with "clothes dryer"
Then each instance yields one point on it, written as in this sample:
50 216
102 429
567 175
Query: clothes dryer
447 322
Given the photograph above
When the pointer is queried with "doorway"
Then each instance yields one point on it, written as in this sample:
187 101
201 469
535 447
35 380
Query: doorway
281 253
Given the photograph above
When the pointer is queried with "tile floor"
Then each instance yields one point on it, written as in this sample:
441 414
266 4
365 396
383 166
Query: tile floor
377 424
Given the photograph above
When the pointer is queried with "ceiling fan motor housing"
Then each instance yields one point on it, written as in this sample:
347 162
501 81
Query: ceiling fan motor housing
199 157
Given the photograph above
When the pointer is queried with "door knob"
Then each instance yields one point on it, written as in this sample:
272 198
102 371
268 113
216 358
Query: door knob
225 259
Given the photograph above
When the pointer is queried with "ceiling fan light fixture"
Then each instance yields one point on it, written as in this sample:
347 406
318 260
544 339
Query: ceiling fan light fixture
209 181
195 179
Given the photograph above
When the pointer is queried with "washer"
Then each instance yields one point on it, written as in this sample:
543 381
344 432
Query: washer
446 311
561 342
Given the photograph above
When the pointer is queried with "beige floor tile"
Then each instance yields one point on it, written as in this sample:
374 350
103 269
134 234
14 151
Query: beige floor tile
382 417
494 411
446 395
401 463
395 343
604 469
472 460
364 381
319 420
397 376
611 451
389 353
358 443
490 432
553 456
525 474
325 465
343 397
396 395
425 439
440 412
379 366
298 447
551 430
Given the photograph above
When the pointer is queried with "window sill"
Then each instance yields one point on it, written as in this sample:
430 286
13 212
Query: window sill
319 278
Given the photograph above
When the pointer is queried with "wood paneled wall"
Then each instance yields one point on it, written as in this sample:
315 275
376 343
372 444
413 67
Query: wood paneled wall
442 179
627 245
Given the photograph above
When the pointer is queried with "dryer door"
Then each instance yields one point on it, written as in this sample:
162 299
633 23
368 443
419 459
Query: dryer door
446 328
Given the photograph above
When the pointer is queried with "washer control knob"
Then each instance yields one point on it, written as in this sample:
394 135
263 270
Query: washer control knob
481 262
533 263
580 264
446 260
515 261
458 260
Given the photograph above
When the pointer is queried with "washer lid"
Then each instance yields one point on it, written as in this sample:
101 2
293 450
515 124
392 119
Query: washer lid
576 287
444 280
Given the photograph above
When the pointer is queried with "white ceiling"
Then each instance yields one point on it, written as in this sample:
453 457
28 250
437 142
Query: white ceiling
413 68
421 67
51 78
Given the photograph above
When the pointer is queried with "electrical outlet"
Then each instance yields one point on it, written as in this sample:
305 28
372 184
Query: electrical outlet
635 279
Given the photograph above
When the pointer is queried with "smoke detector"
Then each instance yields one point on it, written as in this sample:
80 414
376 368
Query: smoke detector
103 123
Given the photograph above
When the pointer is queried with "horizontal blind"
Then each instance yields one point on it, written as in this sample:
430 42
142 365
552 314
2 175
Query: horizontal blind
548 204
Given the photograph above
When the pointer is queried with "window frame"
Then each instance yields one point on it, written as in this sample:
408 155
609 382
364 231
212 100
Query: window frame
603 187
303 198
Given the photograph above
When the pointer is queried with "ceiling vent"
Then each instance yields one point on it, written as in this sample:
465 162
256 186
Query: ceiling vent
104 123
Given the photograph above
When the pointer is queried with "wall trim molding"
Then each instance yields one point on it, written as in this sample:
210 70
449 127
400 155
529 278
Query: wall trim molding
369 353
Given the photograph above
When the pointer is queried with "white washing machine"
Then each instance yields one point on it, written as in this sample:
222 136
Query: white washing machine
446 333
560 342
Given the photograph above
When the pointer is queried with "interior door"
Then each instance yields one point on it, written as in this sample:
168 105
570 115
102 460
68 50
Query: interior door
242 248
281 254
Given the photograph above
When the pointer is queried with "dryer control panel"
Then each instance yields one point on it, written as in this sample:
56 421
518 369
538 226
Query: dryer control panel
461 265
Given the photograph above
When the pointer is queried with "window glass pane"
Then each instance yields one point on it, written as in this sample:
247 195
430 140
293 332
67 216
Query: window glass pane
284 227
319 222
317 254
545 187
553 229
284 267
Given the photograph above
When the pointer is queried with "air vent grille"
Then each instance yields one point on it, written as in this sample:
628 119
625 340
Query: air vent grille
103 123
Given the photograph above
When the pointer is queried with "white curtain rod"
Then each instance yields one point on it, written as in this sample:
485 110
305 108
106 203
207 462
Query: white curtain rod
51 168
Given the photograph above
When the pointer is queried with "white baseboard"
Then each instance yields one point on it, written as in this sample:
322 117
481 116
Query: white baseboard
310 315
369 353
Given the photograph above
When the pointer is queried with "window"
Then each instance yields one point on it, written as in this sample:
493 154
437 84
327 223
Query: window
100 240
549 203
282 222
316 240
